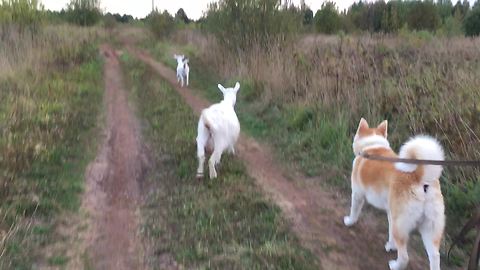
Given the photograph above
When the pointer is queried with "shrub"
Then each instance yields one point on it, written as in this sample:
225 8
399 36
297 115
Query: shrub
451 27
84 12
109 21
240 24
472 23
327 19
22 13
161 24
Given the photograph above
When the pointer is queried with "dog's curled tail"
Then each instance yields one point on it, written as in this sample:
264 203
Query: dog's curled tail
422 147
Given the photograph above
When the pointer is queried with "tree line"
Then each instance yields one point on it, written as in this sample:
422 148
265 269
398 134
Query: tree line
241 20
390 17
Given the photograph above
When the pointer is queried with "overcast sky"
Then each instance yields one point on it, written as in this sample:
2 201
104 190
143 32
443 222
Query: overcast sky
193 8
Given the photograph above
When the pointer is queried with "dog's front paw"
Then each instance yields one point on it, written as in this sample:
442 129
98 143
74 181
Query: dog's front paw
348 221
390 246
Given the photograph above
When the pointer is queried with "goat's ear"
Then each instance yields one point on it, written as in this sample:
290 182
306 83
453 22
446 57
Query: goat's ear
221 88
237 87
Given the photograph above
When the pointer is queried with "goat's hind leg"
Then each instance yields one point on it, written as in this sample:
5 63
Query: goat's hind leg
202 140
215 158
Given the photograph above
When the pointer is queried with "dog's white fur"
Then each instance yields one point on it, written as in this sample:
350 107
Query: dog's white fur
183 70
410 194
218 128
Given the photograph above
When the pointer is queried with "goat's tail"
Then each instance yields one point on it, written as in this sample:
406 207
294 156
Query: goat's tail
210 125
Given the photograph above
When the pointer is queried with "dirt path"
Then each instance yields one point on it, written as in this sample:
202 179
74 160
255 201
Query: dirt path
316 214
112 194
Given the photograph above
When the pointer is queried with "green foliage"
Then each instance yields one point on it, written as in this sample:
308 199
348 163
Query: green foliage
109 21
472 23
182 16
423 15
242 23
394 15
84 12
22 13
451 27
122 18
161 24
461 9
307 16
327 19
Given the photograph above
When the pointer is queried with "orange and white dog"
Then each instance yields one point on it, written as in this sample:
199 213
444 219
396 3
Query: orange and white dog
410 194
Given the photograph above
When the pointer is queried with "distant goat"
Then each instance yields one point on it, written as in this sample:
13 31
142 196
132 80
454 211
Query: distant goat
182 68
218 130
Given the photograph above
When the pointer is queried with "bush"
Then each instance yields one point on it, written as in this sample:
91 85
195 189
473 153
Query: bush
472 23
423 16
23 13
327 19
451 27
109 21
84 12
240 24
161 24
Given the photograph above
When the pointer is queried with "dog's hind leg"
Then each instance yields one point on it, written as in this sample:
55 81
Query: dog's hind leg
401 240
432 236
390 245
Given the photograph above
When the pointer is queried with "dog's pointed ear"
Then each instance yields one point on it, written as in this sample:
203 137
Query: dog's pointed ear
221 88
383 128
362 125
237 87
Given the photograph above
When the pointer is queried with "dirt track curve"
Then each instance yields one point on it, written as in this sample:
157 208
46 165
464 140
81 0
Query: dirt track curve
316 214
112 194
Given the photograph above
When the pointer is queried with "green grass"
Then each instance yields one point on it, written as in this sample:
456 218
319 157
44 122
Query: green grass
48 122
220 224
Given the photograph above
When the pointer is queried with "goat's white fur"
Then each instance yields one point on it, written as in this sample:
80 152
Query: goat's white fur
218 129
183 69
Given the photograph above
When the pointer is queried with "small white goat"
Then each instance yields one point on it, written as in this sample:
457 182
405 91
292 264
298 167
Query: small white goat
218 130
182 68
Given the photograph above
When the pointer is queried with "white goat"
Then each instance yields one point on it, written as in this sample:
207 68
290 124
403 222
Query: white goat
218 130
182 68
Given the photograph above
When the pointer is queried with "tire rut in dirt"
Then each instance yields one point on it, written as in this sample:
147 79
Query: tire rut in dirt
113 194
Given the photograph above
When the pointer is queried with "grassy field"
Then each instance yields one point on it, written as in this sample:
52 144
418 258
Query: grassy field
220 224
306 98
50 98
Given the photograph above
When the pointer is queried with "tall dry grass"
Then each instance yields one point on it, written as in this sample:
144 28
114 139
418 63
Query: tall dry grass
420 83
23 50
49 99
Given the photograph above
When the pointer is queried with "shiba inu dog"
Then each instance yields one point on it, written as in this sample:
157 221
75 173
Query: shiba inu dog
409 193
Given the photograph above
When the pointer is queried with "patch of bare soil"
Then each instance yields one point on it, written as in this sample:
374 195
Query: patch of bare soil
316 213
112 239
